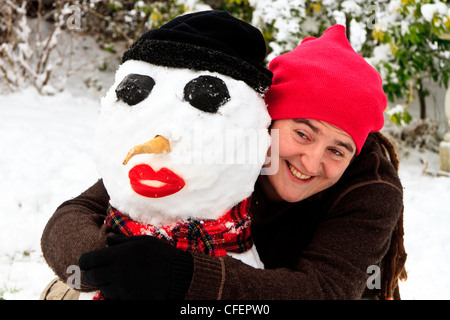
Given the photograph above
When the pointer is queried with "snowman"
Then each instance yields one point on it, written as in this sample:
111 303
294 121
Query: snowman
183 135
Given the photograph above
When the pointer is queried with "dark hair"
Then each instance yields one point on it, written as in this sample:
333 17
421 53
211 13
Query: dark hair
393 263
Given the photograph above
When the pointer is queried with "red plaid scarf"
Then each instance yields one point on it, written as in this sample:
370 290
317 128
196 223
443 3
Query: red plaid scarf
229 233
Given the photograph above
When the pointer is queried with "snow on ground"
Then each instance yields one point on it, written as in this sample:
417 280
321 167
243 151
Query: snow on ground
46 159
427 232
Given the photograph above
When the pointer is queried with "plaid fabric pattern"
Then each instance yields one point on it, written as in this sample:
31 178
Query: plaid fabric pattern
229 233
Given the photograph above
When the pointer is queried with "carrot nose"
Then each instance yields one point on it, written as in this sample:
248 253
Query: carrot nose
157 145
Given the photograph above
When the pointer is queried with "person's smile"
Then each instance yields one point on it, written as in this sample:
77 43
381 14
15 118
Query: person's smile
297 174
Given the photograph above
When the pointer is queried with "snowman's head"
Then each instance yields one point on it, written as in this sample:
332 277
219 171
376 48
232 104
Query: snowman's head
183 131
174 143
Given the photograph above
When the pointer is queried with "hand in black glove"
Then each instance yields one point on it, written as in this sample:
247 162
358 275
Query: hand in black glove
138 267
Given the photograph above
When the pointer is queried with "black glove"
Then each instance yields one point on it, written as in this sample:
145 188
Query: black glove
138 267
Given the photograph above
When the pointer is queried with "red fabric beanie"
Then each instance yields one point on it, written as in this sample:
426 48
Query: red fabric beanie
325 79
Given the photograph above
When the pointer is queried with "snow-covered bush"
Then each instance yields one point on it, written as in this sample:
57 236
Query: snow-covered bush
286 22
30 31
407 41
26 47
413 46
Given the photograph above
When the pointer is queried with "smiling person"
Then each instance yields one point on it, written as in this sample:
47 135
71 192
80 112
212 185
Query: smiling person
330 215
313 154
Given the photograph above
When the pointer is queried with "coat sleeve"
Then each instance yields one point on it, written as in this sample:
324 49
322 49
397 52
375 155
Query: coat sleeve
76 227
354 235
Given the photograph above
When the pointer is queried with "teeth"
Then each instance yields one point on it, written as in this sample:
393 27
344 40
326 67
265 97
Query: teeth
298 174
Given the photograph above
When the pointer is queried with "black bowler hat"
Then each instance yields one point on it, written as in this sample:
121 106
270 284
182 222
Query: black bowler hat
207 40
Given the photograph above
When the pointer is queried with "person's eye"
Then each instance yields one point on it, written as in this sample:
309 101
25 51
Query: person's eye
336 152
302 135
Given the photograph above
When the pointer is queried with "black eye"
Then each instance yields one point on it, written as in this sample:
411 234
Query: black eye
134 88
206 93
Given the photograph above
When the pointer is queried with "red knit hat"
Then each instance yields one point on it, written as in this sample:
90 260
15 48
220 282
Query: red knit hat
325 79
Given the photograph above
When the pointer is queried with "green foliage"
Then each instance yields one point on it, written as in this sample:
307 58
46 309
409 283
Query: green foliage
406 40
415 33
238 8
399 115
159 12
113 20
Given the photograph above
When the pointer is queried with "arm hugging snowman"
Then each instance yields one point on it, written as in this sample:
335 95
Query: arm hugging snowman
182 136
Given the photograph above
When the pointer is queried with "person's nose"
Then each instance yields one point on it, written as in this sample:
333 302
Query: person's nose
312 160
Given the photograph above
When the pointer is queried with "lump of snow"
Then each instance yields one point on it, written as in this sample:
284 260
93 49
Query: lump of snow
397 109
430 9
351 7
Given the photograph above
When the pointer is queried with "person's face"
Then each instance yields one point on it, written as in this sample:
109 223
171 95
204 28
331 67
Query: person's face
313 155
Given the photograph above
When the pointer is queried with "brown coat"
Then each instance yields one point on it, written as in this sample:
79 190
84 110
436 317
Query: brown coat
318 248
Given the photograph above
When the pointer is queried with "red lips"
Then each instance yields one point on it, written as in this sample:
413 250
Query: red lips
172 182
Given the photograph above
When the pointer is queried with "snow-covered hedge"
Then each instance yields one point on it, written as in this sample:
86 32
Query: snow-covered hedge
408 41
